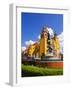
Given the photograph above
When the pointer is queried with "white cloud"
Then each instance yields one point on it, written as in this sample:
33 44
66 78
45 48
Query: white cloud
38 36
30 42
23 48
61 39
60 36
51 32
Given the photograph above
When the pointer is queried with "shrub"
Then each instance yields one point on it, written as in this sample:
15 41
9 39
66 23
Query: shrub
28 70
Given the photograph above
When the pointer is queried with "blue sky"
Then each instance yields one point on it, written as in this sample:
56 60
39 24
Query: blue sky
32 23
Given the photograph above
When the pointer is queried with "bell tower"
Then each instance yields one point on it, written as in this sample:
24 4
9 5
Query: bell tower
43 41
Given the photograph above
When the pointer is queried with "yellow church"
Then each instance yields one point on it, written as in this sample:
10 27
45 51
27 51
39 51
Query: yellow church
46 46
